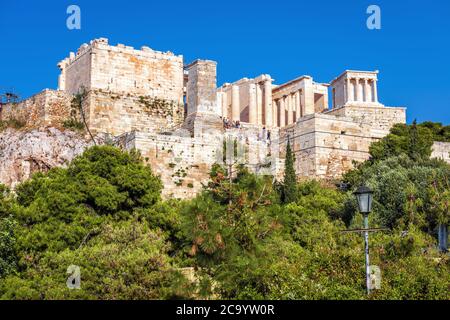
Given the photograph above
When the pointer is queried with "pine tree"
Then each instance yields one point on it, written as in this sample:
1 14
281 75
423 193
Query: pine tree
290 180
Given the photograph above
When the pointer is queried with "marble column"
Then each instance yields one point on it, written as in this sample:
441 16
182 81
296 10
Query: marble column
367 91
348 91
358 90
298 111
375 91
290 118
252 116
275 113
235 107
282 113
224 105
268 102
300 102
259 104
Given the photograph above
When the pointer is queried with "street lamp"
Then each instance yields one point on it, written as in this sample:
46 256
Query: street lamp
364 196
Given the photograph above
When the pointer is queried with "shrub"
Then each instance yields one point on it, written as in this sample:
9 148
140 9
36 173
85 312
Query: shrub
12 123
73 124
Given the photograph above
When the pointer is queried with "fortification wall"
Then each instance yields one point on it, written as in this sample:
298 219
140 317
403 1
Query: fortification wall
259 153
48 107
325 146
76 71
183 163
123 69
380 118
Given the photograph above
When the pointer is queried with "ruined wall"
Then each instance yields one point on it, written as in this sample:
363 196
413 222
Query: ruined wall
441 150
48 107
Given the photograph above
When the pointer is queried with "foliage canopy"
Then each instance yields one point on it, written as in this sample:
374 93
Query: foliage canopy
244 239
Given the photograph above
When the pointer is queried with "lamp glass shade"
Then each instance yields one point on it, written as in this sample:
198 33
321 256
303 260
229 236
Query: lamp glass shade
364 196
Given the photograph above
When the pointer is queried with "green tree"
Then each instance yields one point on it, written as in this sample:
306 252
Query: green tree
290 178
8 239
71 216
104 213
440 132
414 140
8 258
126 260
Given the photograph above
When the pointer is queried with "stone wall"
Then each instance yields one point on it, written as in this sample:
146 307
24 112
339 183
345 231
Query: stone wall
441 150
117 113
201 87
48 107
258 152
183 163
203 113
325 146
123 69
76 71
381 118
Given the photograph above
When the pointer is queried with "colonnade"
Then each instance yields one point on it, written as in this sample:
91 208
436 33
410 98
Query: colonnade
287 105
361 89
260 110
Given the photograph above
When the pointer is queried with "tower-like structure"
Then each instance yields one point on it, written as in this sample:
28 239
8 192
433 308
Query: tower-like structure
127 89
202 112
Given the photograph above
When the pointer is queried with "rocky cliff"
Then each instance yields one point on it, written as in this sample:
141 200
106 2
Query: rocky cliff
23 153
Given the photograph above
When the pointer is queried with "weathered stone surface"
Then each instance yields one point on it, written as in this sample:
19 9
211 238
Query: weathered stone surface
113 113
325 145
23 153
379 117
441 150
184 162
123 69
48 107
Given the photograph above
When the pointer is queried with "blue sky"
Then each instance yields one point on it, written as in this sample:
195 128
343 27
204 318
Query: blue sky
283 38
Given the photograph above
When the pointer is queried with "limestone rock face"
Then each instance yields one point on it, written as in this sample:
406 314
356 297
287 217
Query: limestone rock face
23 153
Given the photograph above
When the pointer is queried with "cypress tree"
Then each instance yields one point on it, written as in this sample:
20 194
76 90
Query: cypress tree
413 143
290 179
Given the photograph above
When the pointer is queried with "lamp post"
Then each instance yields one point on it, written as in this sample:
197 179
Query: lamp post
364 196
